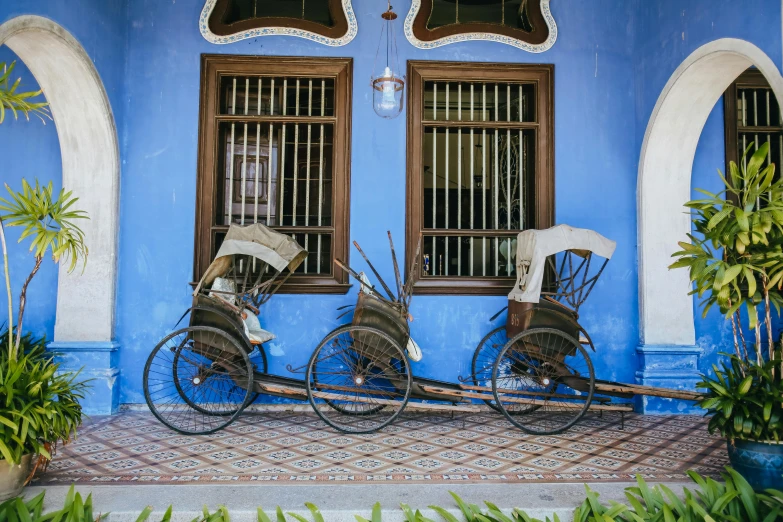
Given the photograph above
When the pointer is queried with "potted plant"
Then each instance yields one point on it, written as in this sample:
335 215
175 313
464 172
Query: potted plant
39 406
40 410
736 262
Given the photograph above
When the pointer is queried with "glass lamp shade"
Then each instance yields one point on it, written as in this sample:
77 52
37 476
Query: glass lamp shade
387 91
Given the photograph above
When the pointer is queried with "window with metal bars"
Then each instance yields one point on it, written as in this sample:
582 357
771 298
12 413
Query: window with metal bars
274 149
480 169
752 117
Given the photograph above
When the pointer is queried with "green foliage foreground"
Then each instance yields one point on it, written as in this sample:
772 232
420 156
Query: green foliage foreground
732 500
39 406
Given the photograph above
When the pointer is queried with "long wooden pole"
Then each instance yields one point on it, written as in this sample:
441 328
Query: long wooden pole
380 279
396 266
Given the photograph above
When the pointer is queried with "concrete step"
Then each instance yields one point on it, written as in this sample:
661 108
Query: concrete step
337 502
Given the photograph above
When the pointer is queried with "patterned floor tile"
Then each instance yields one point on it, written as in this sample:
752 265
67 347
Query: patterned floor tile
136 448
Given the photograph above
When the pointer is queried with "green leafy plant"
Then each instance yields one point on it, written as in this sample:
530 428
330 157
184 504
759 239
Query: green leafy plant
744 400
50 223
39 407
16 101
75 509
735 261
738 261
733 500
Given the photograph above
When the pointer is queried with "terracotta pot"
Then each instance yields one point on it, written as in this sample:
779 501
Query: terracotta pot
12 478
760 463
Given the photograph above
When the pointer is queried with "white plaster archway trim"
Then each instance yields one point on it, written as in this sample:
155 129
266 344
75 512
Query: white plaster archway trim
90 168
664 184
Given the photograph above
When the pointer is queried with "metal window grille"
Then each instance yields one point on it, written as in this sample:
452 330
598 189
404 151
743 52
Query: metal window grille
478 175
759 121
276 137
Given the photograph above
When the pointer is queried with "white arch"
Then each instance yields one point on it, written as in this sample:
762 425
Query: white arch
90 164
664 184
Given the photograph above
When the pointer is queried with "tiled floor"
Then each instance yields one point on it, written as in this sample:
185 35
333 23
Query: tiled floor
294 447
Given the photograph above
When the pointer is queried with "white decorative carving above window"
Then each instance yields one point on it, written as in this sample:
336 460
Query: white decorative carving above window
525 24
328 22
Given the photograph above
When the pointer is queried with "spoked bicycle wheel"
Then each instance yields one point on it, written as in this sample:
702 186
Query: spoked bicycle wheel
484 359
358 379
259 364
546 368
197 380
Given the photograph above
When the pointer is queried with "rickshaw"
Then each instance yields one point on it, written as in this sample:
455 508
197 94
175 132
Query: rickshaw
199 378
359 379
541 375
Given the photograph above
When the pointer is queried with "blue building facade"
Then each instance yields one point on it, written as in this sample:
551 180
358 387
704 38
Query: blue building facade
612 59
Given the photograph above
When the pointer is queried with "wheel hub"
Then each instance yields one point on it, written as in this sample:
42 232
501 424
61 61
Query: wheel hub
359 380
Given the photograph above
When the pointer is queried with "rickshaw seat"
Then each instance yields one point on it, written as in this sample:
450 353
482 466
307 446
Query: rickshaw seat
544 314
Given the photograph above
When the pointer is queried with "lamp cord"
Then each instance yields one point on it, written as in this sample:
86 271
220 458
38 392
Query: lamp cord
388 30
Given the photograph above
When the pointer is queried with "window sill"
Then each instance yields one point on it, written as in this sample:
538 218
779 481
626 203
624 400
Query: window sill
459 286
325 286
315 287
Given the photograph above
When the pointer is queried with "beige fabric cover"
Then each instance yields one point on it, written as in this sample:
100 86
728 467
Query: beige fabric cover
534 246
276 249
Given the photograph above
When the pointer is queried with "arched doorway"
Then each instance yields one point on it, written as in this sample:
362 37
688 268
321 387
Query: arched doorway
90 167
668 351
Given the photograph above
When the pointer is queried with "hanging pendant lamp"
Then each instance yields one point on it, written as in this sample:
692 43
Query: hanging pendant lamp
388 84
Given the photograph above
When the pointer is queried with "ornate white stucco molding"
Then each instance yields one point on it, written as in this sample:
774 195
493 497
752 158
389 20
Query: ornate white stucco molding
211 37
491 37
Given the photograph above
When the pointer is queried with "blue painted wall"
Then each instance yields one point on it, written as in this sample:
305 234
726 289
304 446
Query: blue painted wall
609 70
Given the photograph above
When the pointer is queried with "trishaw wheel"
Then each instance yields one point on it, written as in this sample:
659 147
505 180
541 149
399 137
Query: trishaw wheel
358 379
257 362
546 368
197 380
484 359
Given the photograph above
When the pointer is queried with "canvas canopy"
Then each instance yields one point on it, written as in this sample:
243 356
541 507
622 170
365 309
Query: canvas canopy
277 250
534 246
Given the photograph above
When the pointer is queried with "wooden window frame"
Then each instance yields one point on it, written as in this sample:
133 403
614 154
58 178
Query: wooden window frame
419 72
751 78
212 68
